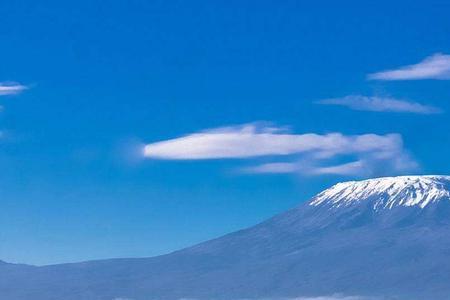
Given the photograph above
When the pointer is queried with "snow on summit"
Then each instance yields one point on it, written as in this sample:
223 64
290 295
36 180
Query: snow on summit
387 192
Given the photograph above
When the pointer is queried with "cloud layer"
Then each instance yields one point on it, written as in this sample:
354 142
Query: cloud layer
332 297
381 104
328 298
436 66
11 88
250 140
305 153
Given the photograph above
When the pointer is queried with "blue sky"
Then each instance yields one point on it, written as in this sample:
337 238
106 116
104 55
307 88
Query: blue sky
246 109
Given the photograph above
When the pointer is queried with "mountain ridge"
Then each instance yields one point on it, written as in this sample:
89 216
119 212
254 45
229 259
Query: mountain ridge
390 191
308 251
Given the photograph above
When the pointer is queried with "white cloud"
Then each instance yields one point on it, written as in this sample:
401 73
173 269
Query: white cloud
436 66
307 153
381 104
274 168
250 140
352 168
7 88
366 165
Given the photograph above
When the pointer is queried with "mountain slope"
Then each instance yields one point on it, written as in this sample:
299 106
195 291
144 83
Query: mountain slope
386 237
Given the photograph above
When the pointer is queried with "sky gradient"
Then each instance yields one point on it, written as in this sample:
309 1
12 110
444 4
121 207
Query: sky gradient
272 102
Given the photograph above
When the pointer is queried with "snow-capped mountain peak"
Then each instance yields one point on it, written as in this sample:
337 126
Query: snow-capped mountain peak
387 192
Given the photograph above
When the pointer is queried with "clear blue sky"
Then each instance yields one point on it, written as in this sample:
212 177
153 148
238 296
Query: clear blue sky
105 78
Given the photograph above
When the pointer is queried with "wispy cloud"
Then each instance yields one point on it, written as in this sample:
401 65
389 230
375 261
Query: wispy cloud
352 168
274 168
381 104
436 66
11 88
306 153
368 165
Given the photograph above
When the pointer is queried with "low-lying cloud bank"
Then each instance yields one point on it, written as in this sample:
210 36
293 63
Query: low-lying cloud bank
327 298
308 153
332 297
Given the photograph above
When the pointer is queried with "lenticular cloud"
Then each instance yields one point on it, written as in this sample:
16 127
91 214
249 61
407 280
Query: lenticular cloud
305 152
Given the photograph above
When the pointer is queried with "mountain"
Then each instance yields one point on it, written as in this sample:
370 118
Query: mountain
387 238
